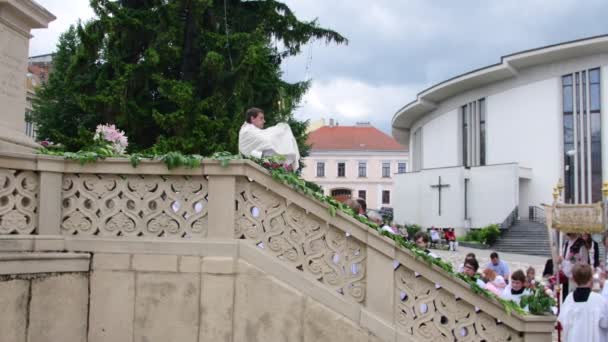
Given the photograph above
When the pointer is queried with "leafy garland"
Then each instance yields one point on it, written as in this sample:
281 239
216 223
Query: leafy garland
538 303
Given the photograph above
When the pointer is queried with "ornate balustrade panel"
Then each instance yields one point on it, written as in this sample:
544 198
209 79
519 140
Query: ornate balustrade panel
427 312
18 201
134 205
301 239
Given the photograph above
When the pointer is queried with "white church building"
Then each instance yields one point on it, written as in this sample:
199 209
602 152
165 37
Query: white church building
497 139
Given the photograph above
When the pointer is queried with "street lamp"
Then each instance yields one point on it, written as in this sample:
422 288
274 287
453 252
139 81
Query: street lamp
570 154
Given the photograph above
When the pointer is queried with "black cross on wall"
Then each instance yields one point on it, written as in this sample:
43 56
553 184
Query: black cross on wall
440 186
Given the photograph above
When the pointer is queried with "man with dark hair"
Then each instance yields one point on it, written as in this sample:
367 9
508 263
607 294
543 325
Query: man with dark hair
500 267
257 142
255 116
584 314
421 239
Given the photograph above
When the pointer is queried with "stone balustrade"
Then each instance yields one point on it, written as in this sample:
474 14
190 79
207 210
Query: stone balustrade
231 232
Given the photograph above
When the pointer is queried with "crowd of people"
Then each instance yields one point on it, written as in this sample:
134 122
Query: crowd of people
583 316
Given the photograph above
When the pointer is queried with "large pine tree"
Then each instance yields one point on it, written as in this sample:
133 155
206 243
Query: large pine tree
176 75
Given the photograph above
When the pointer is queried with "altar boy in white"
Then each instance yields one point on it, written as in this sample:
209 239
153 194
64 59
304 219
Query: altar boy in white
584 314
255 141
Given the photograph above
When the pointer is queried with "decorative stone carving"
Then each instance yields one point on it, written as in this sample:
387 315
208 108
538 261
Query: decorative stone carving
304 241
427 312
18 202
135 205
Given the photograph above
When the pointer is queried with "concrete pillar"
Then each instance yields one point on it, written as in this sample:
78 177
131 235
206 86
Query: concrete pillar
17 18
222 197
379 296
49 214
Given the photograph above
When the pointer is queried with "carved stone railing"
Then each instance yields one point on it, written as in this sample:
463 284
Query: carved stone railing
18 201
134 205
301 239
239 211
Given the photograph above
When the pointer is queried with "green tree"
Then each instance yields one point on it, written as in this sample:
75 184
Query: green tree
175 75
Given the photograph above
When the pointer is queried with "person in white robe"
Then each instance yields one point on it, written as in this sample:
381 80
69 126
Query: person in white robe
257 142
584 313
515 290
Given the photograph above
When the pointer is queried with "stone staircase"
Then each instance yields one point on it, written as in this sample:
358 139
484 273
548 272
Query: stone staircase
525 237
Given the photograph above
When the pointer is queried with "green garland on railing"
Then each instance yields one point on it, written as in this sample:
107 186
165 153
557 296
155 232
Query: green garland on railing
538 302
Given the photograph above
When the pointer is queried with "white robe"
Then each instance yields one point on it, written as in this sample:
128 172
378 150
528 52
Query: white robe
584 321
279 139
506 294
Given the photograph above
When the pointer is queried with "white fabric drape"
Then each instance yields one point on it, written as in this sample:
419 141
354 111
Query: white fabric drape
277 139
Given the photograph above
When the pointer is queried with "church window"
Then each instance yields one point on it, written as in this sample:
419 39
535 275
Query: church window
362 194
581 107
474 133
417 150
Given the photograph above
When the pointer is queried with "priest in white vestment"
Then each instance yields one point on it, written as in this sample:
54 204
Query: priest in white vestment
255 141
584 314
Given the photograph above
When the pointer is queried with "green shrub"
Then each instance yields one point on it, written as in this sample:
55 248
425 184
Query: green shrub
489 234
473 235
412 229
486 235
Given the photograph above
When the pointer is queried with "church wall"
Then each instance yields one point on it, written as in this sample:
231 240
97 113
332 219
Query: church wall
440 141
407 195
452 198
494 193
524 127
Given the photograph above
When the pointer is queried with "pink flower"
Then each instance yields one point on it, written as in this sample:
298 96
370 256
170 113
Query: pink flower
115 137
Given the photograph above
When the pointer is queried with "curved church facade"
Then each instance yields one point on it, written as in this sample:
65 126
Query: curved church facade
495 141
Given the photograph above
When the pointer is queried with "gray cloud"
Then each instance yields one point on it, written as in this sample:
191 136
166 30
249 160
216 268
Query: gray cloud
398 48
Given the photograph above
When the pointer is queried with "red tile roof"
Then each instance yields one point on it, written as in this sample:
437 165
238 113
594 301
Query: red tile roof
352 138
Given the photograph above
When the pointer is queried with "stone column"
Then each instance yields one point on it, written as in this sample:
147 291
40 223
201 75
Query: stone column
221 207
17 18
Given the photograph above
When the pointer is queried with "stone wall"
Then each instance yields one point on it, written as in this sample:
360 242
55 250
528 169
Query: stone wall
44 307
169 298
218 253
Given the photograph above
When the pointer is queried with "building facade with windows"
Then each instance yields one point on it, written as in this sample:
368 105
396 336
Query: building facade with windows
355 162
498 139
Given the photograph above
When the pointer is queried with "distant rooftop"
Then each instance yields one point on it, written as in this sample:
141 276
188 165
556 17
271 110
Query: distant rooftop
362 137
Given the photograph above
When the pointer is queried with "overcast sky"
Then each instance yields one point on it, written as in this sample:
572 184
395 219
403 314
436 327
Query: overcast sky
397 47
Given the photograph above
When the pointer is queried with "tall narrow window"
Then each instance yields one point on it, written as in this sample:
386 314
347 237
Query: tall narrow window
581 105
320 169
482 132
386 197
474 133
386 169
417 150
401 167
362 169
342 169
362 194
466 199
465 136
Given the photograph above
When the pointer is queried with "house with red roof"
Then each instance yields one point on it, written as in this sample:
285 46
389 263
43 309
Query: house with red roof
355 162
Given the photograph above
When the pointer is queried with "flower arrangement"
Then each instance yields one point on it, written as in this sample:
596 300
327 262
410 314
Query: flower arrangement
111 138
